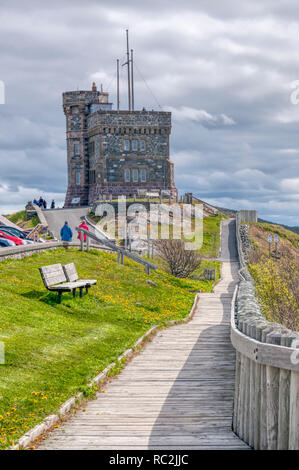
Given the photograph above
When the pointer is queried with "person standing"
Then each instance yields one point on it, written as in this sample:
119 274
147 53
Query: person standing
53 204
45 204
40 202
85 227
66 234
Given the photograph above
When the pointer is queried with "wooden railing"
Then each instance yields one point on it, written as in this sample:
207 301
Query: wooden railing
266 402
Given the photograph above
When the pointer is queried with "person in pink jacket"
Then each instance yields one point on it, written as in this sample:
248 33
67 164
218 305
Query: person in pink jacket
85 227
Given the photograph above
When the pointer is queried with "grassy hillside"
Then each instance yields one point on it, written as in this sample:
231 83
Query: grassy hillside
277 276
20 218
259 235
53 350
211 234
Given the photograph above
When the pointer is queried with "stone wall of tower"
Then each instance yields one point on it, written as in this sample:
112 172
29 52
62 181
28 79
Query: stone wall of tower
76 106
107 132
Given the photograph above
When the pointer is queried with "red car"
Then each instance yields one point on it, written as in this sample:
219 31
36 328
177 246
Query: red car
17 240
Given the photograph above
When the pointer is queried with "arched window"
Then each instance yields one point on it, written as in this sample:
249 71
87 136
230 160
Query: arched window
135 145
135 175
127 145
127 175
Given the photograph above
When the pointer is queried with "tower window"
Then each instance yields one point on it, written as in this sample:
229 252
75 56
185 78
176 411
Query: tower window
91 148
76 149
77 176
92 177
135 145
142 145
135 175
143 175
127 175
127 145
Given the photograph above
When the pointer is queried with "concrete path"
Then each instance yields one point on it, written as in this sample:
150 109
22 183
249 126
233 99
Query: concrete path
176 394
56 218
228 248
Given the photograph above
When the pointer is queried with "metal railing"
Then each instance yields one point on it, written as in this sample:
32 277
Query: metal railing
121 252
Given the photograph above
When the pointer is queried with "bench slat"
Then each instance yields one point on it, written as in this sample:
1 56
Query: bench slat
70 272
52 274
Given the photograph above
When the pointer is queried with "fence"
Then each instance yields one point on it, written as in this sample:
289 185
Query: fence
121 252
266 403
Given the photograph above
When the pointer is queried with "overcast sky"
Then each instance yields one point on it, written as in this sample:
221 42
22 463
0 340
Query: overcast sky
224 68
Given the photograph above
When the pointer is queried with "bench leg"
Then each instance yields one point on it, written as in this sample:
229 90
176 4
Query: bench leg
87 289
74 292
81 291
59 296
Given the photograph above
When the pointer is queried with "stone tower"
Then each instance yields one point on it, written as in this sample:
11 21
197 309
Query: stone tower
114 152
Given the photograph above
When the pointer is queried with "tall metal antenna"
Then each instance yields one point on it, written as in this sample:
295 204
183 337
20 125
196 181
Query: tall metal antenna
128 65
132 79
117 72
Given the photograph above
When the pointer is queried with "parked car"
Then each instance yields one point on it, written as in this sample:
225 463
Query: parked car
4 243
13 234
18 241
14 231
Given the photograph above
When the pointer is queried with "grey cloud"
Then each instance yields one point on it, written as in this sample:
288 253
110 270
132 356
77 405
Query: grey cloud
225 69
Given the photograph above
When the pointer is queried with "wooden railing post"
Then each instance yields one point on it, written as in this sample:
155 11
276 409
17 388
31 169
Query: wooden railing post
261 325
272 396
294 411
284 400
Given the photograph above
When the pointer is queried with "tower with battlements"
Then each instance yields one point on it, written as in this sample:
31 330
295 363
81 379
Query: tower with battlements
114 152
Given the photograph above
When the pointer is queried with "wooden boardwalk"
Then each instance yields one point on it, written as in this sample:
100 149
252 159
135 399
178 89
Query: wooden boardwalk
176 394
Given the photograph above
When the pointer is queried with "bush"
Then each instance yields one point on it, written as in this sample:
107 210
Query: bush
277 288
181 262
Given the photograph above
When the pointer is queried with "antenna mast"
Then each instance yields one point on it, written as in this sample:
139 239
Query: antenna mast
132 79
128 65
117 69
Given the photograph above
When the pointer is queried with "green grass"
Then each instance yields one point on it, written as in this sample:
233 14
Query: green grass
211 236
282 232
21 218
18 217
52 350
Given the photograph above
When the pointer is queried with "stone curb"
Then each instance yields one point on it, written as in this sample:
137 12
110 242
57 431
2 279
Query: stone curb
51 420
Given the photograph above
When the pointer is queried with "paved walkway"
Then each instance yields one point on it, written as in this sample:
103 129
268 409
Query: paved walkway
56 218
176 394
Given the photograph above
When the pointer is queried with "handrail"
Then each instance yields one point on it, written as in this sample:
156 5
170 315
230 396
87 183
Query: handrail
117 248
262 353
94 227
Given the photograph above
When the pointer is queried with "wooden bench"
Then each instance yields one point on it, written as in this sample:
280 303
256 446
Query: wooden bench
72 276
55 280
